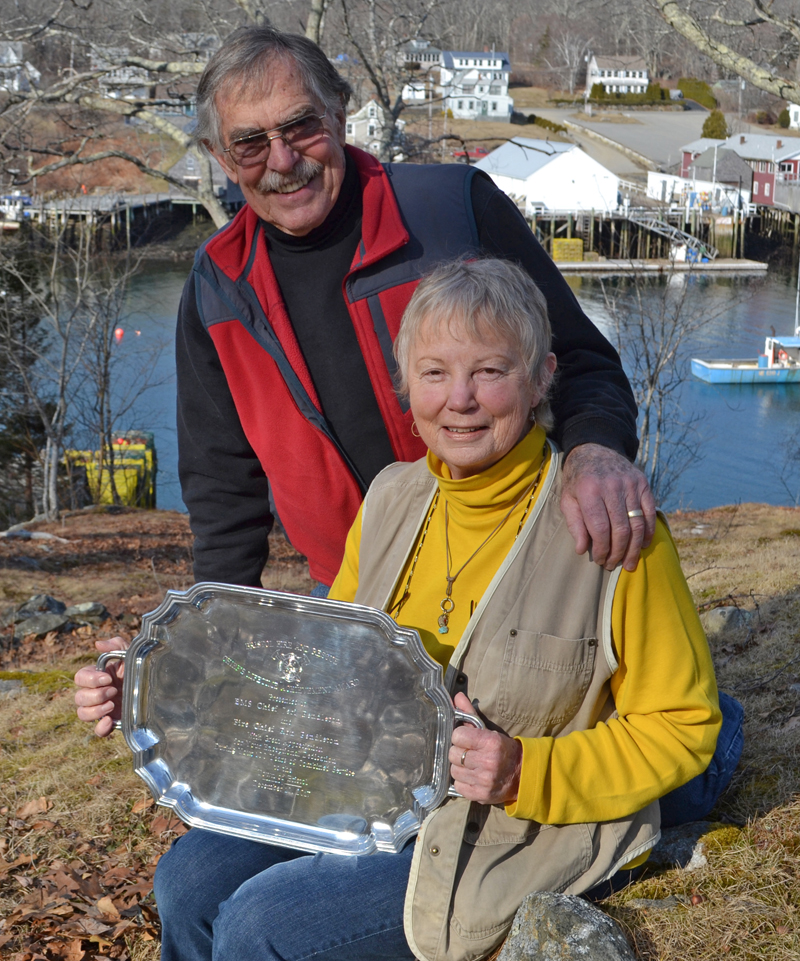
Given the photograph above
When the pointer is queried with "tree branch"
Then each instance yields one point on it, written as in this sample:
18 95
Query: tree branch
725 56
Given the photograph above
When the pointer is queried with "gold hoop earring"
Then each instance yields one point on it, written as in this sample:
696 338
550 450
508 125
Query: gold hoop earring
414 429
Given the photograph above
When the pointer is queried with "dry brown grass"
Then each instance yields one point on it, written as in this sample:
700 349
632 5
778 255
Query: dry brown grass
748 556
750 887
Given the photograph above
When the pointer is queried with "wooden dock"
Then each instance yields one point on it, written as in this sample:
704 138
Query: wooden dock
724 265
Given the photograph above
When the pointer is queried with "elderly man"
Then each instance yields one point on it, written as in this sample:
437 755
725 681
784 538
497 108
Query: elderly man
286 325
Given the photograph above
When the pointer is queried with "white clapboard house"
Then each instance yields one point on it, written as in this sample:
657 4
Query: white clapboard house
474 86
621 74
365 127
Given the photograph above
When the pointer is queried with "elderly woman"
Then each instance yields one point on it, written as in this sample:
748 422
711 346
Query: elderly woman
597 687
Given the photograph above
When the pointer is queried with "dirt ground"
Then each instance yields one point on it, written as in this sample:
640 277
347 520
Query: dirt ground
80 835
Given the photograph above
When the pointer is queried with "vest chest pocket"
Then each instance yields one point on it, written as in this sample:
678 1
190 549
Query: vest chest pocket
544 678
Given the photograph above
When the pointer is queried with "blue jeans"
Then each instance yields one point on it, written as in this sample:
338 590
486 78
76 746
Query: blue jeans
694 800
227 899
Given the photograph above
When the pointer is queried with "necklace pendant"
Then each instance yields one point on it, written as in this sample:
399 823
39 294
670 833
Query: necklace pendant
443 628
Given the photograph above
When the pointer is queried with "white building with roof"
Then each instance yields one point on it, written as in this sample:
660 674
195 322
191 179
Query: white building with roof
541 175
474 86
424 60
623 74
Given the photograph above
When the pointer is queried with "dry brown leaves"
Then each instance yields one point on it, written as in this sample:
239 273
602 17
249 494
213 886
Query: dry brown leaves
91 906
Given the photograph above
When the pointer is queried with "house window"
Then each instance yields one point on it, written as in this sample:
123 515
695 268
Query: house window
372 111
349 128
460 104
755 187
371 129
472 105
766 189
494 106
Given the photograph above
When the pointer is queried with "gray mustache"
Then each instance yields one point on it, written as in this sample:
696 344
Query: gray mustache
303 171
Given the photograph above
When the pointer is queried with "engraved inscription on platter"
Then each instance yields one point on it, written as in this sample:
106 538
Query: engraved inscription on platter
287 719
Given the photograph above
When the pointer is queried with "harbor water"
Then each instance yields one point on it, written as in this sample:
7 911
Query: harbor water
743 433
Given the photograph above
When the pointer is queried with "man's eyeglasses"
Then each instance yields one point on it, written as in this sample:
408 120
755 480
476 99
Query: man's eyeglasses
298 134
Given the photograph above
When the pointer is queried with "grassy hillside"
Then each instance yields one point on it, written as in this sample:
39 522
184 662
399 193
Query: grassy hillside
80 836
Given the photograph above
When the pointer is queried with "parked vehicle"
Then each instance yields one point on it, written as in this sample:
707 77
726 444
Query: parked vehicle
475 154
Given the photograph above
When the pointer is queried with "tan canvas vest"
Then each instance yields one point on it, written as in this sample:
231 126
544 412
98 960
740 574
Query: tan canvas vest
536 659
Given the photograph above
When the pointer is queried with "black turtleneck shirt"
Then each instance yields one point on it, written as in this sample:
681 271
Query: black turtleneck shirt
310 271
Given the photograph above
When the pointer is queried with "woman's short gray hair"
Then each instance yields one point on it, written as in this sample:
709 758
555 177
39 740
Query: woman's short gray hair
246 56
484 297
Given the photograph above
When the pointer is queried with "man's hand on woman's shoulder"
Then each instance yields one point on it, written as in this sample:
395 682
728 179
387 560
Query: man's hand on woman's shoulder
601 490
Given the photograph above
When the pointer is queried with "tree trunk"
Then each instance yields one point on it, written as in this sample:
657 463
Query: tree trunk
316 21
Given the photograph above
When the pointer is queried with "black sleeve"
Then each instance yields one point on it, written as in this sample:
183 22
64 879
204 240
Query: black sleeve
592 400
222 481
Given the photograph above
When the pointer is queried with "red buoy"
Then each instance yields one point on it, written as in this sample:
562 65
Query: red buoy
119 333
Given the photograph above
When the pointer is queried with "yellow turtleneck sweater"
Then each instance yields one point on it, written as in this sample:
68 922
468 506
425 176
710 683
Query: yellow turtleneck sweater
664 689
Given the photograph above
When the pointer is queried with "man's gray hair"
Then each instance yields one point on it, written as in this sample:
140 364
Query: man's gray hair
484 298
246 57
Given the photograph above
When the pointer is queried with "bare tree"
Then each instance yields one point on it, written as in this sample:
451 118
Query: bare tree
111 382
570 49
56 295
67 373
654 321
112 61
379 31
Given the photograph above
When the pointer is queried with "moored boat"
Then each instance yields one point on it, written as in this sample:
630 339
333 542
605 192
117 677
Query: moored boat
779 364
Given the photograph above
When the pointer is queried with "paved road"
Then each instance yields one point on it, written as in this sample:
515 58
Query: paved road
610 158
657 134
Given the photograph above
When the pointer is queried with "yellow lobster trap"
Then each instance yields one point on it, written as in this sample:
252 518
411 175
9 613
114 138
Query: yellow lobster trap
133 456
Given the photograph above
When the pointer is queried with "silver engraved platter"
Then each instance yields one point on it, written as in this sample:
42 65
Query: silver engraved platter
307 723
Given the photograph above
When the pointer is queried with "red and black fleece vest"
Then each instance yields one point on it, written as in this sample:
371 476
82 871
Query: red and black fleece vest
414 217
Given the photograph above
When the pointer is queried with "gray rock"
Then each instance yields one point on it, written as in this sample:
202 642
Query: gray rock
682 847
90 612
559 927
9 617
10 688
26 563
719 620
40 624
42 604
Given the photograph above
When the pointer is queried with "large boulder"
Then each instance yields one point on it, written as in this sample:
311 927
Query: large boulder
40 624
41 604
721 620
561 927
90 612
